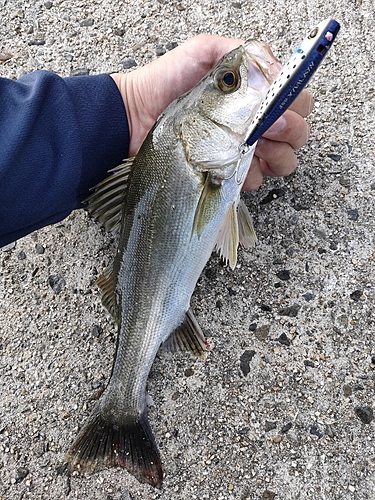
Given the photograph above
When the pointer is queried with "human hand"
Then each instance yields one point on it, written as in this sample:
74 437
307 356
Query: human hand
147 91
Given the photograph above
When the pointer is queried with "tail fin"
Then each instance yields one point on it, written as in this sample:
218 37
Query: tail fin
130 444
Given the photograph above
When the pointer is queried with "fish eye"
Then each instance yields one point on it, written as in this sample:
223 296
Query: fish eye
227 80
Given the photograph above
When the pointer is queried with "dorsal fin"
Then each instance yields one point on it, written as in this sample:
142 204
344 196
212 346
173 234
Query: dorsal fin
107 285
187 337
105 203
237 228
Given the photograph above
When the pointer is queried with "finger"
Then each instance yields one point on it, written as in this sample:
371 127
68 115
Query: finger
278 158
254 178
303 104
290 128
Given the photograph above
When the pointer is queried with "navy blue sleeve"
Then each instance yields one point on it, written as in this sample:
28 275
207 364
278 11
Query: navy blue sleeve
58 138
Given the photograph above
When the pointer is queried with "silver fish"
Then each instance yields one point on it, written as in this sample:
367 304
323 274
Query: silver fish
173 203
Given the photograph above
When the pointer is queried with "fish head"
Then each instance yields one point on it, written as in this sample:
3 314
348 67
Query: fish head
237 85
218 112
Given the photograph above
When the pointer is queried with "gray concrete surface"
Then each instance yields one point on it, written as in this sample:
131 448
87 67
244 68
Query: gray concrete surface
283 406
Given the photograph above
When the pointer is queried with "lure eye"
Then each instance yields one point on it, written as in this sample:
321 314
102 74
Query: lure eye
227 80
313 33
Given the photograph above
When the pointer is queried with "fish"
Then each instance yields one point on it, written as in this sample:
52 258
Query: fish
171 205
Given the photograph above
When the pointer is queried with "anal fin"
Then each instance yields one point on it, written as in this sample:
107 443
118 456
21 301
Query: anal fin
188 337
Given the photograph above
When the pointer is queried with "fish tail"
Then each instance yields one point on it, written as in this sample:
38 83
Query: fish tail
129 444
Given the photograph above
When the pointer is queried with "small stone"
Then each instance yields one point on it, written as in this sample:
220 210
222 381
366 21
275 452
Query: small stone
334 157
365 413
333 245
347 390
272 195
353 214
232 292
57 283
308 363
237 5
47 5
290 311
125 496
9 247
284 340
329 430
21 255
79 72
5 56
276 439
128 62
356 295
36 42
344 181
22 472
39 249
171 45
96 331
268 495
308 296
245 359
265 307
119 31
230 487
189 372
269 426
252 327
314 430
160 50
87 22
262 332
285 428
283 275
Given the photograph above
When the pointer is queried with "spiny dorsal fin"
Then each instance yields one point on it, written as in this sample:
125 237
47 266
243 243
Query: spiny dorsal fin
188 337
246 230
107 285
227 241
105 203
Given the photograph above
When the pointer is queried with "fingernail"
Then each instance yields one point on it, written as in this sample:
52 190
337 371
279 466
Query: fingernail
261 141
278 127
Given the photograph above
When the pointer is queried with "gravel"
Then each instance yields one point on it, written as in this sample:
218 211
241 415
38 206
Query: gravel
283 407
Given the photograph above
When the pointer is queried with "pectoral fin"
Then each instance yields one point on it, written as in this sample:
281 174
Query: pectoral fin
207 206
105 203
188 337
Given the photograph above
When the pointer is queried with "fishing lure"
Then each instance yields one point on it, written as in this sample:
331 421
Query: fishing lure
293 77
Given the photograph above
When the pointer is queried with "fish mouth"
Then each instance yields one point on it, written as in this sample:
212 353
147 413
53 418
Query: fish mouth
263 65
